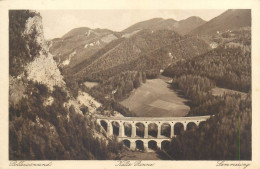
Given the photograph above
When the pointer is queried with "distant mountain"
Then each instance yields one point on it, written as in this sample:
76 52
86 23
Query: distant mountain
80 43
229 20
86 32
186 25
182 27
149 24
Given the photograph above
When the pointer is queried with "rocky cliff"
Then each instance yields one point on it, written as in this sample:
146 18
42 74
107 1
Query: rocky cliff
46 122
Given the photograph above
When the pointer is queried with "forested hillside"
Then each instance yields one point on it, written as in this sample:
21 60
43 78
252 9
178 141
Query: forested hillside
146 51
228 67
225 136
51 132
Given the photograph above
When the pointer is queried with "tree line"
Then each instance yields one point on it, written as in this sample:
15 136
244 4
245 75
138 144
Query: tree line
195 88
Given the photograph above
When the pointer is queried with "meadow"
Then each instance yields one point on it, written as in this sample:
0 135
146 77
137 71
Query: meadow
155 98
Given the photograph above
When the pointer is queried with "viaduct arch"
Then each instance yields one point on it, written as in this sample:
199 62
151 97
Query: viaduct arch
135 141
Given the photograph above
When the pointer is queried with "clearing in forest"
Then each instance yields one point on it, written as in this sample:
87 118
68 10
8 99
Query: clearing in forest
155 99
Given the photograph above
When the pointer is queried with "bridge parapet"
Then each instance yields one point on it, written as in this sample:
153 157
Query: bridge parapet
194 118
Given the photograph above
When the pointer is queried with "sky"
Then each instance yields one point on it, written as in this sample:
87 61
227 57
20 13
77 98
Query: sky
56 23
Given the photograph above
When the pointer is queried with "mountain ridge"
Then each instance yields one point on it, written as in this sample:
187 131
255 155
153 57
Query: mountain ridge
80 43
228 20
182 27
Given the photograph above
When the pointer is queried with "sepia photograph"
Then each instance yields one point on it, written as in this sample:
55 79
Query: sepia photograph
121 84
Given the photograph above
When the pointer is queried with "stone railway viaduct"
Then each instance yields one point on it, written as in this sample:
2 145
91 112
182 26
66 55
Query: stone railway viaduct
134 141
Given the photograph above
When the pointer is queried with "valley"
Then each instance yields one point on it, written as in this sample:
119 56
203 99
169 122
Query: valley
155 98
